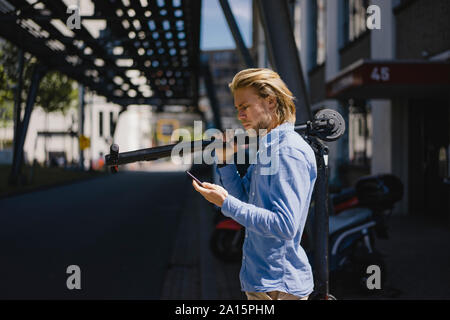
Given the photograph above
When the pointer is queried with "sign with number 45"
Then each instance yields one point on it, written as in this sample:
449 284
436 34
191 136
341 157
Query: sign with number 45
380 74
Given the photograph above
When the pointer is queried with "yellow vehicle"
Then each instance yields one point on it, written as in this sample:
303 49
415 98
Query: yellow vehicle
165 128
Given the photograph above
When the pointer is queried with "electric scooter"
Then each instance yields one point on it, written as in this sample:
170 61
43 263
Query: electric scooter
328 125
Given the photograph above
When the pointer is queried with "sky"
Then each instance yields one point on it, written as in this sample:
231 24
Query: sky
215 33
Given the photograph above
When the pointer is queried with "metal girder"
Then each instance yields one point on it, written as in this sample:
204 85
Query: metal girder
240 44
38 73
209 83
161 40
283 52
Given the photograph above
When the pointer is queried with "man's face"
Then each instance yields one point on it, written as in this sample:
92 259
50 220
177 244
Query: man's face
254 112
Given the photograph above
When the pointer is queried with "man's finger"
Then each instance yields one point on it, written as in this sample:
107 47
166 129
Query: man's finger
199 188
212 186
195 184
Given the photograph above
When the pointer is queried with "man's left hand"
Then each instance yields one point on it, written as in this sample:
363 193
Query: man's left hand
211 192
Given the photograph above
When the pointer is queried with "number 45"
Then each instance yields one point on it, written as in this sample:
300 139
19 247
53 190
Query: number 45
380 74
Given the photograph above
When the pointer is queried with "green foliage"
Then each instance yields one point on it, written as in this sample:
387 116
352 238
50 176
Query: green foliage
6 97
57 92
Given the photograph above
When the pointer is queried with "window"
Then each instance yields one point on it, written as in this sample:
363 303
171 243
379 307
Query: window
360 133
354 19
100 124
321 29
357 15
317 35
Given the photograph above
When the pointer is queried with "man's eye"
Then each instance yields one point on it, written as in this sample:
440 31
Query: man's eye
241 108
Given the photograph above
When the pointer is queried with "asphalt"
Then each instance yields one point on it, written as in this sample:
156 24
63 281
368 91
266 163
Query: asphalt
118 229
145 235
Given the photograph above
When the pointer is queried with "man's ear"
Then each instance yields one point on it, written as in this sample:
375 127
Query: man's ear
272 102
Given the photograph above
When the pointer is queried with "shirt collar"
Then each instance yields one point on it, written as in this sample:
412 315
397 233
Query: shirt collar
274 134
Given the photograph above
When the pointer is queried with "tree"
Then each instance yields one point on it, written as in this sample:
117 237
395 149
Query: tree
57 92
6 98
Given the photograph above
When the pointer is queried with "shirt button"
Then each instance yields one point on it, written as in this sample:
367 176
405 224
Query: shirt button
253 194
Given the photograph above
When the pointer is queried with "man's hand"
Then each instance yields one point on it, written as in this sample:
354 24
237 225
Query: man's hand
212 192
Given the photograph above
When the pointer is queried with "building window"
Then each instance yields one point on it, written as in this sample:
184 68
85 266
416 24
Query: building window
100 124
360 133
321 29
317 35
354 20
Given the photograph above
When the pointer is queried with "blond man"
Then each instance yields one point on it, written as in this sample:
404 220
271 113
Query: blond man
271 204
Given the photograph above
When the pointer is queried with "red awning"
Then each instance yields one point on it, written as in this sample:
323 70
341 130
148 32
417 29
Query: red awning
385 79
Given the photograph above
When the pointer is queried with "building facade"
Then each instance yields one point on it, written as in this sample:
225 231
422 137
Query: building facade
400 126
223 65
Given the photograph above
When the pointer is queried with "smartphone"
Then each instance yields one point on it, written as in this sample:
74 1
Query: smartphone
193 177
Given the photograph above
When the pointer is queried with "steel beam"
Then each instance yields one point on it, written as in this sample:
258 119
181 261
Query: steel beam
283 52
240 44
38 73
209 83
18 103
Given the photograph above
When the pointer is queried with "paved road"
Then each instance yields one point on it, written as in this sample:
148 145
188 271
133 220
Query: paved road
118 229
145 236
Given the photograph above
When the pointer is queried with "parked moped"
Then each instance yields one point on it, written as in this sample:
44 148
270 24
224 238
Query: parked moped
358 216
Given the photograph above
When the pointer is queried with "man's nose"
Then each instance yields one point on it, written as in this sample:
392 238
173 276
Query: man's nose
241 115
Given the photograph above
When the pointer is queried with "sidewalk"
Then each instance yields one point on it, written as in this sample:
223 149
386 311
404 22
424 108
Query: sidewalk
417 256
193 272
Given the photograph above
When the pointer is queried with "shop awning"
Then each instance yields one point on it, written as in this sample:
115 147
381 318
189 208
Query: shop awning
385 79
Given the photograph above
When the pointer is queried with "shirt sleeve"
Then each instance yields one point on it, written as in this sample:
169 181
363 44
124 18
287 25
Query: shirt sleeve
235 185
287 193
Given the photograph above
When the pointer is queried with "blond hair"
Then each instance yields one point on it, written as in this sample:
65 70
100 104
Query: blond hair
266 83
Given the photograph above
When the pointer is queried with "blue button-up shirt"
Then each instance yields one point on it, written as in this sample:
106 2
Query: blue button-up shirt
271 201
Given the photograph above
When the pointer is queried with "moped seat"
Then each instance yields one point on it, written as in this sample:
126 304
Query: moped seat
347 218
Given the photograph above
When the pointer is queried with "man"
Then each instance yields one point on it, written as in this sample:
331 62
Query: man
272 200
